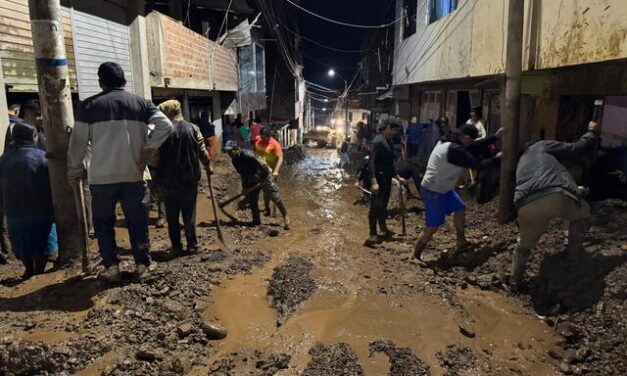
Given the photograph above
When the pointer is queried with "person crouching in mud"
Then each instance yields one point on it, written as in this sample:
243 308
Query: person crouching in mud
448 160
254 171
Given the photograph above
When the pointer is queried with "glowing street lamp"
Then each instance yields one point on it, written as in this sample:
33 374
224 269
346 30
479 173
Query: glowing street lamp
331 72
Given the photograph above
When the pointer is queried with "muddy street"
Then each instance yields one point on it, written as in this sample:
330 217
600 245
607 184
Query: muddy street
309 301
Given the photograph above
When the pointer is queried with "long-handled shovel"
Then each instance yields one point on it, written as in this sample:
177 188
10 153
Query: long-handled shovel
215 213
82 218
401 194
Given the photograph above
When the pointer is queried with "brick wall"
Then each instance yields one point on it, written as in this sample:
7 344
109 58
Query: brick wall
187 59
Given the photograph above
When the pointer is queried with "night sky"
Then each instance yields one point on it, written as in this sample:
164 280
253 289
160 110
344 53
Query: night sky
365 12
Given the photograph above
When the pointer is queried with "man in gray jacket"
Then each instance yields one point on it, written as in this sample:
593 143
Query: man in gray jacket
546 190
115 125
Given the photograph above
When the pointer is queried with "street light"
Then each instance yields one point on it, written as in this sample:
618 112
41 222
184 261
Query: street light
332 73
324 109
326 100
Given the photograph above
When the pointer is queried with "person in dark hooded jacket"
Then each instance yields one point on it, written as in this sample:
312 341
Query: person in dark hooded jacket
546 190
26 198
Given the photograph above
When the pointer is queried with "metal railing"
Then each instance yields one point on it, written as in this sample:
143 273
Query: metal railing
287 137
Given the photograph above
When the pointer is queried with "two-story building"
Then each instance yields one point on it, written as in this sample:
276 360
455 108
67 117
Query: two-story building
450 57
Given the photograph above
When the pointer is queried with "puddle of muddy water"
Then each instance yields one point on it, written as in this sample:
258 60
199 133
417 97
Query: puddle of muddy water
348 309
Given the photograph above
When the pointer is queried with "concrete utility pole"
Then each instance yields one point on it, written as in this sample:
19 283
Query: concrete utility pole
511 110
58 118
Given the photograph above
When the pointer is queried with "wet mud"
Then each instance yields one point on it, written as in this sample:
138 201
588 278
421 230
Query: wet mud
402 361
337 360
353 310
290 285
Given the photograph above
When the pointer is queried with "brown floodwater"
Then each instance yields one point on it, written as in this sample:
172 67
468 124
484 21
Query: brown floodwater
329 230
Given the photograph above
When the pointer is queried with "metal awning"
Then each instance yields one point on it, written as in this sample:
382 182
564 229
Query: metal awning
387 95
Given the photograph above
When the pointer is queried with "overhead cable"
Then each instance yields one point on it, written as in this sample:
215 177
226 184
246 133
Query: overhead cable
344 23
323 46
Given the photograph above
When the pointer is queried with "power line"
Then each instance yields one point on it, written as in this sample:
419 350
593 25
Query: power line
344 23
322 45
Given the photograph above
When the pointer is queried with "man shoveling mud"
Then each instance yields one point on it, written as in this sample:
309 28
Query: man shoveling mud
448 160
382 172
546 190
177 173
254 171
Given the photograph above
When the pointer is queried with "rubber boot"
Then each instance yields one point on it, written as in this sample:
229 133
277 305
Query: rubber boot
576 235
519 263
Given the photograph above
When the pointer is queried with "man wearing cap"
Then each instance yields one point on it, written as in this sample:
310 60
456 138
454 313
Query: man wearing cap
114 124
26 199
382 171
448 159
255 171
177 173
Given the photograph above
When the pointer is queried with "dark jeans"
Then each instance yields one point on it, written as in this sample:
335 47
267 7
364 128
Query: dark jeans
412 150
181 201
5 244
379 205
134 199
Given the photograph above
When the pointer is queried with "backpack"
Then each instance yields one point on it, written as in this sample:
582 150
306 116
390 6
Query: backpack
179 158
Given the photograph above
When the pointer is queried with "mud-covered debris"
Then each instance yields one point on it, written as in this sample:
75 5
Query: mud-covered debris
295 154
458 361
257 363
31 358
290 285
402 361
338 360
467 330
213 331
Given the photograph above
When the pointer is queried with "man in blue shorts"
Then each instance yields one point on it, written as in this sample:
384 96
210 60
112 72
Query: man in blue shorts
449 158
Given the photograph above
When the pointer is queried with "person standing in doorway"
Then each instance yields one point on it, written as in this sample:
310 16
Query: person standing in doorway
413 137
382 172
115 124
476 119
30 113
255 130
208 131
272 153
244 132
177 173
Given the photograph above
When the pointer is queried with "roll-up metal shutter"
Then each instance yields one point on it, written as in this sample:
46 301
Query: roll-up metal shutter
97 40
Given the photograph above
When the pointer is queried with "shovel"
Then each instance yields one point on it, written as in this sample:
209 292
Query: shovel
82 218
215 213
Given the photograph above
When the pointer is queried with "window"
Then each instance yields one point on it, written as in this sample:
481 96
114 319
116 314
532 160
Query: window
441 8
410 12
252 70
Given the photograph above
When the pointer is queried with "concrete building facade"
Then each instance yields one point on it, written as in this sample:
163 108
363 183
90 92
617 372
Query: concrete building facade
450 57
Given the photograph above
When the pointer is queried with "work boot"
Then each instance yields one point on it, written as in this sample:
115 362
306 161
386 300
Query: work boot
3 258
267 212
110 274
519 263
286 222
576 235
142 270
372 240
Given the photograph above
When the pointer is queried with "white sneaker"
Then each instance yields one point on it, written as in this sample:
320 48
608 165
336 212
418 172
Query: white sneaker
110 274
142 270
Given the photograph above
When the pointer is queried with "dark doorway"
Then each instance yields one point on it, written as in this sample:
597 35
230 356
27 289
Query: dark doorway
574 114
463 107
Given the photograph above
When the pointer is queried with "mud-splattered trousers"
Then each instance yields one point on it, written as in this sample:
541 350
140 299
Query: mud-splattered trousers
534 219
379 205
271 191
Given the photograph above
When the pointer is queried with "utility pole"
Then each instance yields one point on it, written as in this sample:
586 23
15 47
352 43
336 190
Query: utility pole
58 118
511 110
